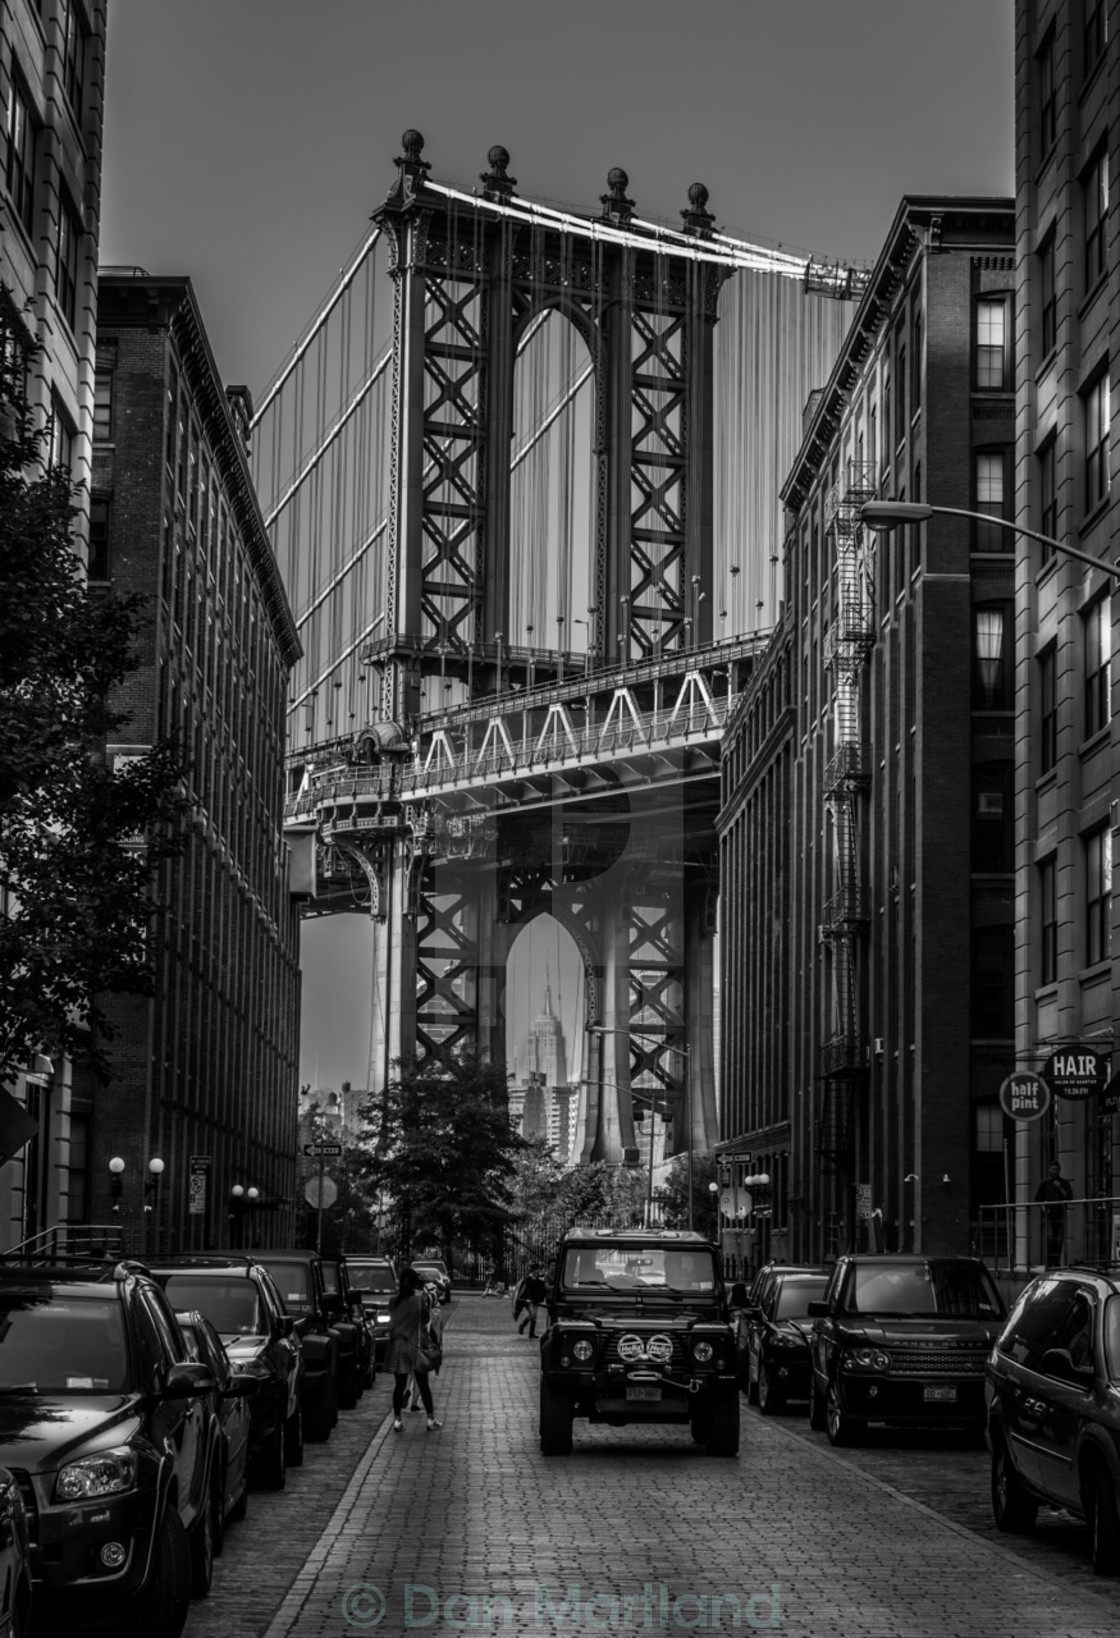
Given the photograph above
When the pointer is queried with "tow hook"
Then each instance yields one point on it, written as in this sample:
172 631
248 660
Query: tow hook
694 1384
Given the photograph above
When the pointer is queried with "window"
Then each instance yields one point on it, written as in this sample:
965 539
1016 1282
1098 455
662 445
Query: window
1048 709
1048 298
916 365
1048 493
1096 442
991 497
19 174
1047 97
900 400
1098 666
1095 36
991 345
103 406
1098 895
1095 190
1048 921
67 240
992 968
60 438
991 660
989 1128
991 819
73 54
98 538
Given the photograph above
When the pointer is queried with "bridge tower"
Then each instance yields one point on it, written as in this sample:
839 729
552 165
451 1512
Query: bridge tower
628 867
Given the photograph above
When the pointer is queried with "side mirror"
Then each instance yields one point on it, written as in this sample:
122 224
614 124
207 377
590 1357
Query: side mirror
286 1325
241 1386
1058 1362
188 1381
738 1298
817 1309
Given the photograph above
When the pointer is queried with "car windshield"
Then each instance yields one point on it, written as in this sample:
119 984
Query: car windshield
58 1343
629 1268
944 1289
429 1272
294 1283
232 1306
796 1293
372 1277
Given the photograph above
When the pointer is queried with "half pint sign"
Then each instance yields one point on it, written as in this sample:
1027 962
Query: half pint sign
1076 1073
1024 1095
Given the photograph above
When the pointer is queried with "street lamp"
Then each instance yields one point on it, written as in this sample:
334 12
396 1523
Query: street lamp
883 515
116 1184
151 1198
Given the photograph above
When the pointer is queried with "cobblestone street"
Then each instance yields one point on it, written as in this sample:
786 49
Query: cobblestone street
638 1530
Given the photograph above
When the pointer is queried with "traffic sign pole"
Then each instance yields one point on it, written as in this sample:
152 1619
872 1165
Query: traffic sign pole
319 1214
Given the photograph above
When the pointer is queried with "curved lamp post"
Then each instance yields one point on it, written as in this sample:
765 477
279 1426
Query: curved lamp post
880 516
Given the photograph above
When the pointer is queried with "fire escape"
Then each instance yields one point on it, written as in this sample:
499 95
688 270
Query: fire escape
846 915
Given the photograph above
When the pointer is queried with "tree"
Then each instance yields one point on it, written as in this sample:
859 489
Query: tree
440 1142
78 840
674 1195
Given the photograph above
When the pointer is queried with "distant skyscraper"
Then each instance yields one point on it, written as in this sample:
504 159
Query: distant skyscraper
544 1053
541 1101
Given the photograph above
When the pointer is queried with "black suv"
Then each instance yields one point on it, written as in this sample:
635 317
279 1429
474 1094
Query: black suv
350 1313
772 1336
1053 1394
374 1279
330 1340
639 1331
104 1428
902 1340
241 1301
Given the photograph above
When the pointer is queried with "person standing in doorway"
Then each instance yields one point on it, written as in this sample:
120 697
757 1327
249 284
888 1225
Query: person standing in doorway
1054 1192
533 1293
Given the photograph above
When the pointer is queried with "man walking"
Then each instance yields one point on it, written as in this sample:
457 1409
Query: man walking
533 1293
1053 1193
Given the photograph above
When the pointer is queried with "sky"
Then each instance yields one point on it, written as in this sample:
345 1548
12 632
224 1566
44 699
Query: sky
247 142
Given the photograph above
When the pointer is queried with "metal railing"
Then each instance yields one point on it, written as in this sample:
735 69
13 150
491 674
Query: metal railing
67 1242
1029 1236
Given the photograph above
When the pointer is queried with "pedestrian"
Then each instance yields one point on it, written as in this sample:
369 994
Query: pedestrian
434 1336
519 1302
533 1293
409 1316
1053 1193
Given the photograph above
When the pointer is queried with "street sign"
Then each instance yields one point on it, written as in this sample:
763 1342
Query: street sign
327 1197
320 1149
196 1184
863 1202
1024 1095
1076 1074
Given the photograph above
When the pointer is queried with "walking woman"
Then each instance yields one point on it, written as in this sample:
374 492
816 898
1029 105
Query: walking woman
408 1329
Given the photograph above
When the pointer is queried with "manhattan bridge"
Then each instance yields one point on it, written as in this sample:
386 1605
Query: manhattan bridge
521 474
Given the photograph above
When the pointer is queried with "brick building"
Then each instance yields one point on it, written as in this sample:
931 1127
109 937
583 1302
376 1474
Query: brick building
868 907
1067 340
52 79
208 1066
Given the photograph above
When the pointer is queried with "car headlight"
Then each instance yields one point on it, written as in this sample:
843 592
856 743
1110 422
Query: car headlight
583 1350
258 1367
702 1352
786 1339
383 1319
105 1474
867 1359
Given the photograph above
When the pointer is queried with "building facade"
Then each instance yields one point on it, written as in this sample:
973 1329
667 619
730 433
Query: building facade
1068 341
52 79
204 1073
868 910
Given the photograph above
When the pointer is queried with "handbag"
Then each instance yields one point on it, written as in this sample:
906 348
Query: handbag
434 1355
421 1362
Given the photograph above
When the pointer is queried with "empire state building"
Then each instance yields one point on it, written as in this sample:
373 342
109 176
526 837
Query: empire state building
541 1073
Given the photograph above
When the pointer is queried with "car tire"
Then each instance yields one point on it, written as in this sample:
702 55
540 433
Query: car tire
293 1438
271 1471
165 1602
752 1384
771 1399
202 1548
1013 1507
556 1417
219 1508
320 1421
818 1413
723 1425
241 1506
1105 1523
699 1418
839 1425
348 1384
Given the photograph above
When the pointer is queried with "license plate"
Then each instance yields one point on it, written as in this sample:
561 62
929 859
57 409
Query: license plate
643 1390
942 1396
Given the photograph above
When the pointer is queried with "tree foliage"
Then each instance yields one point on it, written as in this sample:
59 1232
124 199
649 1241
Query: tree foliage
78 841
673 1194
440 1142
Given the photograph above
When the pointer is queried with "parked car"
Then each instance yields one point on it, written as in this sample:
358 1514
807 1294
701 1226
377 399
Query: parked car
433 1271
350 1312
772 1337
104 1428
230 1409
239 1298
15 1561
1053 1391
375 1280
639 1331
330 1347
902 1340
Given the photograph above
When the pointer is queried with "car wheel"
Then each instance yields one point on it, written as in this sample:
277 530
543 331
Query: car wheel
818 1414
241 1506
270 1464
293 1438
218 1508
699 1418
202 1549
771 1400
723 1425
369 1372
321 1418
1013 1507
555 1420
839 1426
1105 1545
165 1602
752 1382
348 1384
